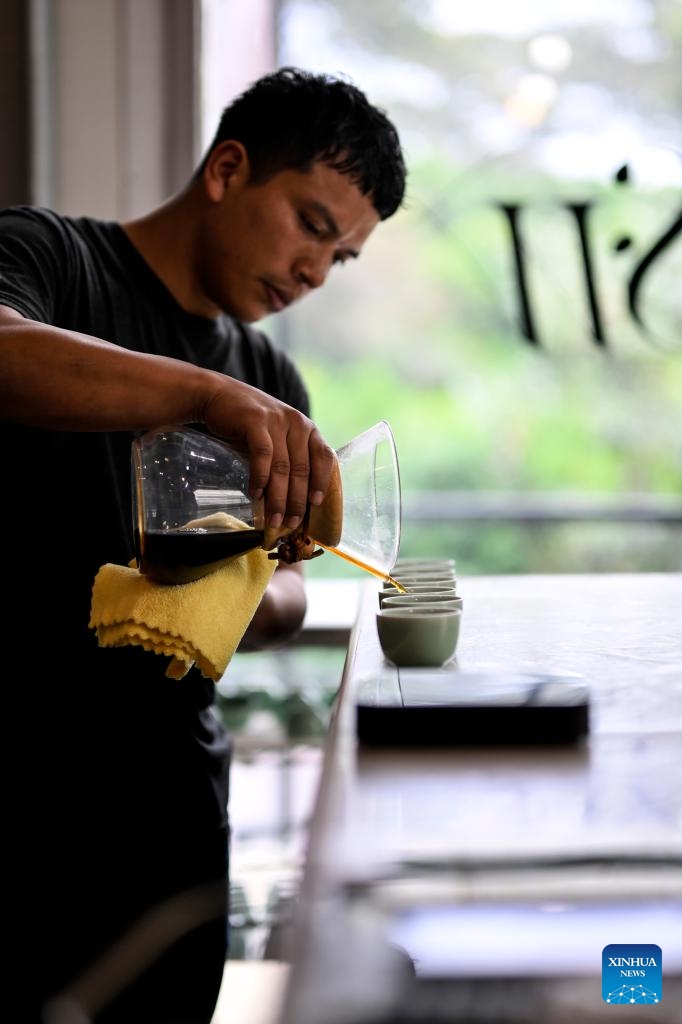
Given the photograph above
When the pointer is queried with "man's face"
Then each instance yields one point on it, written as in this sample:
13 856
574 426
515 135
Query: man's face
265 246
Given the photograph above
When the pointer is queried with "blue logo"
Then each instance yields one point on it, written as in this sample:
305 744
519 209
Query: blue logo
631 973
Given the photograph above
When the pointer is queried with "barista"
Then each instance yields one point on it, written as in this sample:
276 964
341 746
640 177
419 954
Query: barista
107 329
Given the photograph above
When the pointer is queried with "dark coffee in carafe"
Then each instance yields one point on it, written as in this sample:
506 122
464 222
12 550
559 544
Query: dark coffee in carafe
184 555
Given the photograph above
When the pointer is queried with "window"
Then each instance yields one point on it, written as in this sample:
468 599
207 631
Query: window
518 323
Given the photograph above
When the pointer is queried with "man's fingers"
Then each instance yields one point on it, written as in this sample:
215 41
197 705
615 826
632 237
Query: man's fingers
322 460
297 473
311 461
260 460
290 463
290 471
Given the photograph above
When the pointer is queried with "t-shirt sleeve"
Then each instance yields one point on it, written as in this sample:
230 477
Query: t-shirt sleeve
33 263
294 391
260 362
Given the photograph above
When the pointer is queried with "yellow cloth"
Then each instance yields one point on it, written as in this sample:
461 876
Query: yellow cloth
193 623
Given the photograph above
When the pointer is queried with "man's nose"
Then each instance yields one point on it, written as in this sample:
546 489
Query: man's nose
312 270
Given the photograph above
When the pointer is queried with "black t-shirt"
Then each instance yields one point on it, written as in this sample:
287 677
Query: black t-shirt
66 496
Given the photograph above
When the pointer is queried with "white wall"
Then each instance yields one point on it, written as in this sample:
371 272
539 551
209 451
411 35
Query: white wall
237 46
128 92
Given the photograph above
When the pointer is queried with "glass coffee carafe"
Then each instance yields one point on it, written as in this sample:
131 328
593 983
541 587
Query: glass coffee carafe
192 512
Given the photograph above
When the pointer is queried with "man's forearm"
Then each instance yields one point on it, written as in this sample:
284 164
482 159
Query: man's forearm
281 611
62 380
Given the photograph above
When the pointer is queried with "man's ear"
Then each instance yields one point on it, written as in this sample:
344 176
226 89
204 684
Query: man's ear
227 165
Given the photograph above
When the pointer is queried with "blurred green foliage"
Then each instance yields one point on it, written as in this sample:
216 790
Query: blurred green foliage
572 119
426 336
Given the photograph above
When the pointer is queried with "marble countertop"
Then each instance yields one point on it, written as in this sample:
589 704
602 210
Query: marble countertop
598 819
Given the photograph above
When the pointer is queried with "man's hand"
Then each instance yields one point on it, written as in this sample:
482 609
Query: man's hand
290 462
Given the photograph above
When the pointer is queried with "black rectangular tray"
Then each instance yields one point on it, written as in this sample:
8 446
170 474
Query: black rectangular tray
413 707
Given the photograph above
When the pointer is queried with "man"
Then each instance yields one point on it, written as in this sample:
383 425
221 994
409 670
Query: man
107 329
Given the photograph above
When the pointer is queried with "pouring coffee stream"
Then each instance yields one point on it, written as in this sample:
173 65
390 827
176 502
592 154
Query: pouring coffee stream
367 568
192 512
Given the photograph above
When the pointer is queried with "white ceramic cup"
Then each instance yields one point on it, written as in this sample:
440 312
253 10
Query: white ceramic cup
410 583
424 576
449 600
423 635
415 583
410 564
448 587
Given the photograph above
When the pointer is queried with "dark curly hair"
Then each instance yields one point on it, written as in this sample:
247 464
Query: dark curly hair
294 118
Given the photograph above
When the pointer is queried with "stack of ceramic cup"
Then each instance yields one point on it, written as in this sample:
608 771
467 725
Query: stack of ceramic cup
420 627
